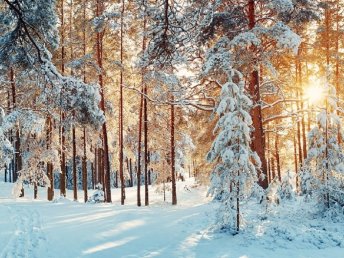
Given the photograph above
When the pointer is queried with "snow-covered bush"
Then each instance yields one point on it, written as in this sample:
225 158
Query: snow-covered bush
285 190
98 195
272 193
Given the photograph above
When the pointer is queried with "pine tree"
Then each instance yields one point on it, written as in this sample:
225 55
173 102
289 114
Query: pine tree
324 166
235 173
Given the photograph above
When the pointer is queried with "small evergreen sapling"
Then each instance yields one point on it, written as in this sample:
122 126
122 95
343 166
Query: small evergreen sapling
235 173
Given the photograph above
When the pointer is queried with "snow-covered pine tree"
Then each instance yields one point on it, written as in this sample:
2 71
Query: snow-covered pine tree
323 176
235 172
255 32
28 35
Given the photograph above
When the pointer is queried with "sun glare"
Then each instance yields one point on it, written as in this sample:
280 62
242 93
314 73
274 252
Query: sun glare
315 92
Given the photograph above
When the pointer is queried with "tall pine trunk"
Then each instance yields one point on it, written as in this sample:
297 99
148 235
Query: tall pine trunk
139 150
62 128
121 175
142 99
258 142
50 174
145 131
17 156
75 177
173 167
84 158
277 155
106 161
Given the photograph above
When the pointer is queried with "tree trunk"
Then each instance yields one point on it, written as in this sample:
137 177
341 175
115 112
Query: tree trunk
75 178
145 129
337 76
273 171
238 203
121 113
100 167
84 159
49 164
304 138
131 173
106 161
62 129
6 171
96 167
299 133
35 190
140 113
258 142
17 156
278 165
295 163
268 156
327 30
173 168
139 150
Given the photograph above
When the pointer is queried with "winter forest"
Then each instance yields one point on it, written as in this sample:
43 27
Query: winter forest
171 128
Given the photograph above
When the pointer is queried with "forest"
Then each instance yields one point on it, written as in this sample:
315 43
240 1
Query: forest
141 106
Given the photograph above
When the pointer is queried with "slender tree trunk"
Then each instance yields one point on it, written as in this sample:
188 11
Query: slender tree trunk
278 165
298 110
268 155
106 160
258 142
139 150
35 190
75 178
273 168
326 174
173 168
96 167
145 129
50 174
6 171
101 166
121 175
12 171
237 204
62 129
295 162
7 168
140 113
13 140
84 158
337 78
18 157
63 159
84 168
304 138
131 173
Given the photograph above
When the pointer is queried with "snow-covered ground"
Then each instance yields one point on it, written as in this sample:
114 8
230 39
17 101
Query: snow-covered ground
37 228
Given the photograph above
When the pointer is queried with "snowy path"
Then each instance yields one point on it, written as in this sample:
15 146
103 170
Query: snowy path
28 234
68 229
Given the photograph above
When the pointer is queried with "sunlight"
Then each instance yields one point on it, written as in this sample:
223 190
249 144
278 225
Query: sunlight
108 245
314 93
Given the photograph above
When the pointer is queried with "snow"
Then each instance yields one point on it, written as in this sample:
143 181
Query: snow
37 228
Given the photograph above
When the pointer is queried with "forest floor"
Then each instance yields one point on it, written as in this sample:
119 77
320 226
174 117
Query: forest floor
67 229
